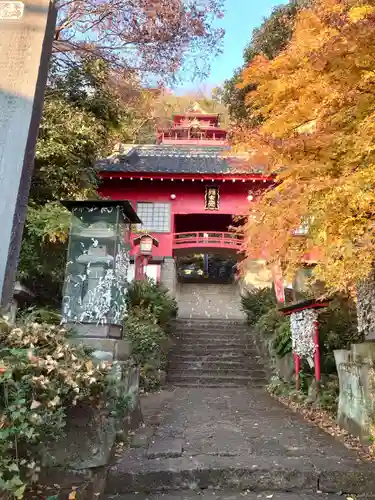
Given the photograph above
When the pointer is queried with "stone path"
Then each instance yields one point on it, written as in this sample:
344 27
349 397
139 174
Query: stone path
212 495
213 440
209 300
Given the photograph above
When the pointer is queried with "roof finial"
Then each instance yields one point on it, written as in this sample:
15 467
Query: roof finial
196 108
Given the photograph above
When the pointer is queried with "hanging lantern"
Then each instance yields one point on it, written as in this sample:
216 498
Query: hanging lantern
146 243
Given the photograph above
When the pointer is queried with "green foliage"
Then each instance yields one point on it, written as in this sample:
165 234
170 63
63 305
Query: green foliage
150 311
257 302
40 376
337 330
268 323
38 315
329 391
338 325
149 342
84 115
146 335
282 342
326 399
154 298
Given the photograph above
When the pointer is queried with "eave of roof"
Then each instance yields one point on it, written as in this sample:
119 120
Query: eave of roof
162 160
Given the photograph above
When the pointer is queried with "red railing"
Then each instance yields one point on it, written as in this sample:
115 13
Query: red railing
211 239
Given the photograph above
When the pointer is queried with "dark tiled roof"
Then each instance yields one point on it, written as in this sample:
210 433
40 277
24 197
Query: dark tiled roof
162 158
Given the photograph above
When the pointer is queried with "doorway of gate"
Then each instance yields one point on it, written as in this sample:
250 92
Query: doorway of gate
206 268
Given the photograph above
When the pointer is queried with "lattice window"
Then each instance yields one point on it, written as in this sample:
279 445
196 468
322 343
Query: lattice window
155 217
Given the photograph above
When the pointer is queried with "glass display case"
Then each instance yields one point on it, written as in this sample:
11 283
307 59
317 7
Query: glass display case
95 284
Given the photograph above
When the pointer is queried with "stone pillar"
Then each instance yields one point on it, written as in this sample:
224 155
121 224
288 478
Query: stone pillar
356 371
366 307
168 276
26 35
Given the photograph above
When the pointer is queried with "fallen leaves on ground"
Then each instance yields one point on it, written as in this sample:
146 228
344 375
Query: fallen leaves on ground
326 421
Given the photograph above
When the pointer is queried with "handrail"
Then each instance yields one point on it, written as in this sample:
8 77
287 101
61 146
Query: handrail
207 238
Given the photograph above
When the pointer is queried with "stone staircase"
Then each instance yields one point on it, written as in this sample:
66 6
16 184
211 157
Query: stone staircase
214 353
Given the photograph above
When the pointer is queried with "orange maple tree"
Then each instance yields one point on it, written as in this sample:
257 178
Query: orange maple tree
316 105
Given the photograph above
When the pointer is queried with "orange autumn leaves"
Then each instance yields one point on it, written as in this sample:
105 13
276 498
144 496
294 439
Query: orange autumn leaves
316 104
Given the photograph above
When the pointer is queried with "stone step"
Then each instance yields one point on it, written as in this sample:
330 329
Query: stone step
210 334
189 352
216 323
233 346
196 369
203 352
251 473
210 342
184 339
213 320
208 364
221 326
227 495
210 378
233 316
218 385
226 357
209 327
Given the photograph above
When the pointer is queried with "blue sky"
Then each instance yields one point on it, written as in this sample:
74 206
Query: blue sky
241 17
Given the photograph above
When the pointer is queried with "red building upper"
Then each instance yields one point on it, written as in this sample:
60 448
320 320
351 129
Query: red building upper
187 187
194 127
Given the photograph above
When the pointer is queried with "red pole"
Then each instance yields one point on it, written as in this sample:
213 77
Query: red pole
297 367
140 263
317 353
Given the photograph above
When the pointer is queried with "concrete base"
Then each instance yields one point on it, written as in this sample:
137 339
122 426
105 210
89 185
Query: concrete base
91 432
115 350
97 331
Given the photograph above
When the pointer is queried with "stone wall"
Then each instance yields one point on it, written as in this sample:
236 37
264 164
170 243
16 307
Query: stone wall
356 371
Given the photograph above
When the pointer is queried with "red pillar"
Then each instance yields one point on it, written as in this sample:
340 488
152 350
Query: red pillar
140 265
317 353
297 366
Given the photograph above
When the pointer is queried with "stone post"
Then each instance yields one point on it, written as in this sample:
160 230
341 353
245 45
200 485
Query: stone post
366 306
168 276
26 36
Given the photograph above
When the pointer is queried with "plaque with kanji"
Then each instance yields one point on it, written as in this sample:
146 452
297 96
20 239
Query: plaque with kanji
211 200
10 11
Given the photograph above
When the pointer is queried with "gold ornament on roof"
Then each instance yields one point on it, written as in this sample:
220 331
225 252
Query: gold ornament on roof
196 108
195 123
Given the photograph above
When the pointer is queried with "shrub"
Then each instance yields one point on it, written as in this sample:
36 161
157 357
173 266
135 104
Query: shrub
257 302
338 325
154 298
40 375
337 330
149 342
146 335
39 315
282 343
269 322
150 309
